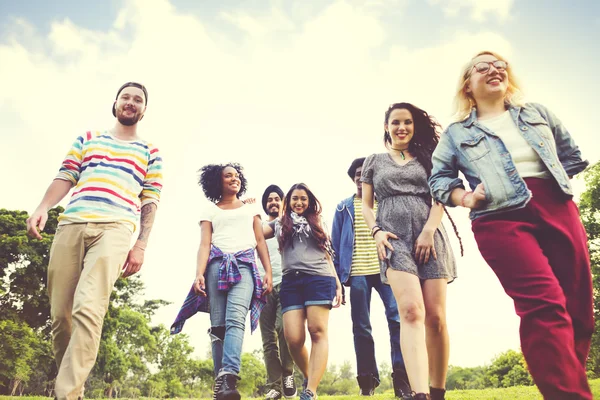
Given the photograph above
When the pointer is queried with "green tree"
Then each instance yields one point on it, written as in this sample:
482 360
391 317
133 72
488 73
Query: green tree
508 369
589 207
18 352
460 378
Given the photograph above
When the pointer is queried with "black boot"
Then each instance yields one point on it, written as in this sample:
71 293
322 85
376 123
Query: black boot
367 384
437 394
228 389
400 381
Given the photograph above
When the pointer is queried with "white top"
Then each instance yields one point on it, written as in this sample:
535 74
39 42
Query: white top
275 257
526 160
232 229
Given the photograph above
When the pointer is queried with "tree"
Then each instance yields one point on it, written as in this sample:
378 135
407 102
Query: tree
23 266
508 369
589 207
18 352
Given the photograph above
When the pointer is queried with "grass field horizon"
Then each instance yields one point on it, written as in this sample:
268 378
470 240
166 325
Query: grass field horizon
512 393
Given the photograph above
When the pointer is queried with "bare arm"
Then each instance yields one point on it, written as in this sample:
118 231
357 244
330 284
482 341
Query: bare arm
146 222
202 257
263 254
381 237
57 190
268 232
135 258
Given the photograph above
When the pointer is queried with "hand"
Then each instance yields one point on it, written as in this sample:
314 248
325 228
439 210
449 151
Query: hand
477 198
199 286
381 240
338 294
37 220
134 262
249 200
267 284
424 247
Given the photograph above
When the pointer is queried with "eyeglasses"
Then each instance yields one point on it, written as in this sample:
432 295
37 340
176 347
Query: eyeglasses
483 67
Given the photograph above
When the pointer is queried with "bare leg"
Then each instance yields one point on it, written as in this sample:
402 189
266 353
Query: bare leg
438 343
318 319
295 335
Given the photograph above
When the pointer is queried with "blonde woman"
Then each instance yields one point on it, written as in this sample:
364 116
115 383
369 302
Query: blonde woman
518 159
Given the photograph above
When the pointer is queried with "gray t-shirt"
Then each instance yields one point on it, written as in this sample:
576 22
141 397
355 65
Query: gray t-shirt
273 246
302 254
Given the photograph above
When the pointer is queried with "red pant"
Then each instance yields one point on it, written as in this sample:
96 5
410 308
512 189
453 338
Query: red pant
540 256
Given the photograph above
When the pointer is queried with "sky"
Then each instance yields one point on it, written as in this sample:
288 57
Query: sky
294 91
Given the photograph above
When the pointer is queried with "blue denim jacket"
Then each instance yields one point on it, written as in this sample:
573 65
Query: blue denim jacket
342 238
469 147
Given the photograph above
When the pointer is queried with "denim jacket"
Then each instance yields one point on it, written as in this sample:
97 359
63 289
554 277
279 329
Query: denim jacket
342 239
469 147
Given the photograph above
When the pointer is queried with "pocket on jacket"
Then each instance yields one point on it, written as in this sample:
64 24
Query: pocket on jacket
475 148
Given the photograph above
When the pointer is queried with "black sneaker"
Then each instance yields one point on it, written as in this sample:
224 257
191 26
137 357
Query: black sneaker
289 387
228 389
416 396
400 381
367 384
273 394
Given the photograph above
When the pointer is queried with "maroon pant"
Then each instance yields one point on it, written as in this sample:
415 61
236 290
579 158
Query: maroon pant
540 256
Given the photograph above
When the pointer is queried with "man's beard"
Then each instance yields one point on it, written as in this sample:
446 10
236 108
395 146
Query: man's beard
128 121
274 213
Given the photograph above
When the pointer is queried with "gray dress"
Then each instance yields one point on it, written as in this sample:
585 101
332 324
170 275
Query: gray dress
404 205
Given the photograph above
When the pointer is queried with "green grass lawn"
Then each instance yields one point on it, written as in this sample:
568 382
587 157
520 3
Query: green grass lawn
516 393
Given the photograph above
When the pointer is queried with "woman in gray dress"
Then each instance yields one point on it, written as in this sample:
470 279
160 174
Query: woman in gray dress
416 257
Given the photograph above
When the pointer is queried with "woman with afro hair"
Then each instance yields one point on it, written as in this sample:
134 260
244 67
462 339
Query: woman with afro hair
226 269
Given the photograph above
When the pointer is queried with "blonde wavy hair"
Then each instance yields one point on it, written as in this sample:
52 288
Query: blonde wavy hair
464 102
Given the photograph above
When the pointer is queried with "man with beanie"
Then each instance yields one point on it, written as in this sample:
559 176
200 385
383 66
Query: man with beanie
279 363
357 265
117 181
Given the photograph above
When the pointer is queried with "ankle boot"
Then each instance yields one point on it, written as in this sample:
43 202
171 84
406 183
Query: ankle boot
400 382
366 383
437 394
228 389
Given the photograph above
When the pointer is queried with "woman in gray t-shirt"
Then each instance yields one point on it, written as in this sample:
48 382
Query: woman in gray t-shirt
310 286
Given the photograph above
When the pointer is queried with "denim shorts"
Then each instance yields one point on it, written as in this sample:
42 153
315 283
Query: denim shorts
300 290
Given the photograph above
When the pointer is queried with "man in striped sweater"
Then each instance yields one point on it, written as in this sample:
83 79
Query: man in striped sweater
357 265
116 178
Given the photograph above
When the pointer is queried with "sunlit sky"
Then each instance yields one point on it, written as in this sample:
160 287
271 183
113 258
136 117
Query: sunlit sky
294 91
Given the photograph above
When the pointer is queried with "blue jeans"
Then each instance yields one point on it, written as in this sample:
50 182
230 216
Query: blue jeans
360 307
228 310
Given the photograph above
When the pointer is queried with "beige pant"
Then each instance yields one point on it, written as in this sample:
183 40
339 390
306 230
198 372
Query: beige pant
85 261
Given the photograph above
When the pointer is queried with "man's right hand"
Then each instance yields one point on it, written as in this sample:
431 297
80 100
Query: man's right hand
476 199
37 220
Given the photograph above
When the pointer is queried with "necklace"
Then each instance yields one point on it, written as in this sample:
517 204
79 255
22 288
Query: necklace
401 152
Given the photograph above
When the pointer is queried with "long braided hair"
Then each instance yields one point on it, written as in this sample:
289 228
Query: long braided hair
424 141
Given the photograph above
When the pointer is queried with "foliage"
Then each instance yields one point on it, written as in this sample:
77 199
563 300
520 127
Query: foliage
589 207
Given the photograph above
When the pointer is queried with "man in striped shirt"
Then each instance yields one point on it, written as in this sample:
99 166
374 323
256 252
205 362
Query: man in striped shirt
357 265
116 178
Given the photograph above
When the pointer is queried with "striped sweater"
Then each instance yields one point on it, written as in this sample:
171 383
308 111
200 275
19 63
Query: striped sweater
113 179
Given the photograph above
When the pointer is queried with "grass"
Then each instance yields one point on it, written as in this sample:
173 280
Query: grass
514 393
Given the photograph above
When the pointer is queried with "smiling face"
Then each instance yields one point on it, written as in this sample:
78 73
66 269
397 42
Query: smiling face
273 204
130 105
401 127
299 201
357 182
490 85
231 180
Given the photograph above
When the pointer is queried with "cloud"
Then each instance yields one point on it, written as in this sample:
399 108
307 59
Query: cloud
479 10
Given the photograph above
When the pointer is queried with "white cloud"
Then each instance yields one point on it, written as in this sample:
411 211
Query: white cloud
292 99
479 9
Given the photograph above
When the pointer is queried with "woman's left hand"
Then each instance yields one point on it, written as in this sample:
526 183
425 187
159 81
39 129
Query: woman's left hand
267 284
424 247
338 294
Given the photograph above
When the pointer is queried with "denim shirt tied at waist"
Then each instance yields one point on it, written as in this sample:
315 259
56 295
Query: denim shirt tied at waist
229 275
469 147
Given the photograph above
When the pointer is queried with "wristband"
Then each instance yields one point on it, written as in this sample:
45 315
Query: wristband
139 247
375 231
374 227
464 196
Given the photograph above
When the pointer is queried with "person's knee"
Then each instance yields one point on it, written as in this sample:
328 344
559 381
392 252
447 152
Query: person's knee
411 312
217 333
435 322
317 331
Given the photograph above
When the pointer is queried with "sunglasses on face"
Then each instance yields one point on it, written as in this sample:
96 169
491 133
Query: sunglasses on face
483 67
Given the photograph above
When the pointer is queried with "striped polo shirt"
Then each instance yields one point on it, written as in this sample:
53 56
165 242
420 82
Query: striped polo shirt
113 179
364 255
